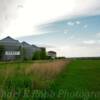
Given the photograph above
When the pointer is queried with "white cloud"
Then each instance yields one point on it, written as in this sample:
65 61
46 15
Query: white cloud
36 12
66 31
98 34
76 51
87 8
85 26
70 23
73 23
71 37
89 42
78 22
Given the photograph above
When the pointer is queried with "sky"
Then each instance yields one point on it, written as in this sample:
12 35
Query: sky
69 27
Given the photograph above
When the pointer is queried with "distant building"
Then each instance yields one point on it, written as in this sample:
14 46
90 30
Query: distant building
52 54
29 50
14 49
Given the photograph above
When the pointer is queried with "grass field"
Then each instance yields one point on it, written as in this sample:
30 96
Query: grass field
50 80
19 79
79 81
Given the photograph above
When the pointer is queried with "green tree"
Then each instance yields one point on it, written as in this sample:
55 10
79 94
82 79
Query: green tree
36 55
2 51
43 54
40 55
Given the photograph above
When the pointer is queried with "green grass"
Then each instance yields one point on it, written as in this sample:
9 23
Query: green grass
18 80
79 81
14 80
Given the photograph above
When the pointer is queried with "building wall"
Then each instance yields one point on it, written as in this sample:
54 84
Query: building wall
11 52
16 50
29 50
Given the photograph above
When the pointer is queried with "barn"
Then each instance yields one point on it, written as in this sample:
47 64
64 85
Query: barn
13 49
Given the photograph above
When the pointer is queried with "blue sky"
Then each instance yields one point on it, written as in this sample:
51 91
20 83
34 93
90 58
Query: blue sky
70 37
78 28
69 27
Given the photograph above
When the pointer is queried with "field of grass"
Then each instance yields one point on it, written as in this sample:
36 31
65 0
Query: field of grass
50 80
18 80
79 81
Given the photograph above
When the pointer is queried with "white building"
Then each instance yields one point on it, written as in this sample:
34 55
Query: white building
52 54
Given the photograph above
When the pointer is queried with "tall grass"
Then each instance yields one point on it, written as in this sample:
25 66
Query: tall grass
49 69
17 76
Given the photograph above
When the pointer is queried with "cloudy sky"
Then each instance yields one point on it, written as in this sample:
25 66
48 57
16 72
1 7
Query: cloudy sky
70 27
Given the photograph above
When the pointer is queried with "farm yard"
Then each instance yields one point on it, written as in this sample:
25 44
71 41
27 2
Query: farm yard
50 79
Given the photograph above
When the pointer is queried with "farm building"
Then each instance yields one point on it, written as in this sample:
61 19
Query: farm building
52 54
13 49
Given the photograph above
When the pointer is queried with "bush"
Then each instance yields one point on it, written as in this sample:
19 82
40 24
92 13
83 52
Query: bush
39 55
36 55
43 55
2 50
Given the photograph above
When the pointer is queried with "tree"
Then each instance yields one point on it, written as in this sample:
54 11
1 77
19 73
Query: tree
40 55
2 51
36 55
49 57
43 55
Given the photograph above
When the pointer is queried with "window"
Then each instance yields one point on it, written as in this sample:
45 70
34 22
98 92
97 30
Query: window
12 52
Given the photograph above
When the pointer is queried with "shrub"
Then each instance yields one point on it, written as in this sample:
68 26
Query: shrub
39 55
36 55
2 50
